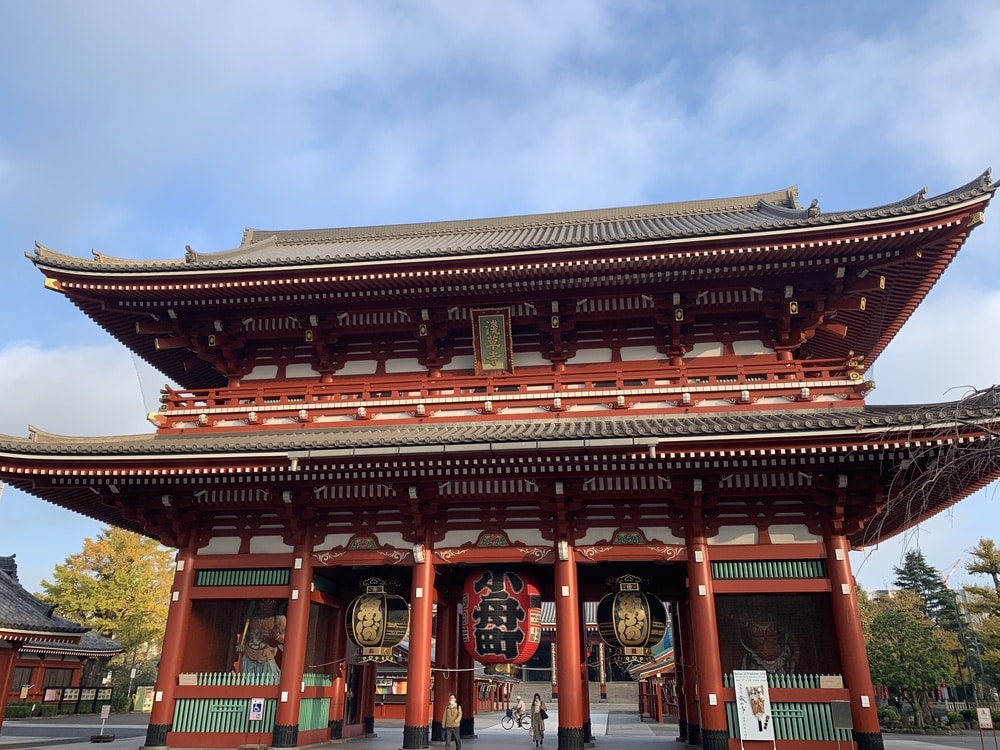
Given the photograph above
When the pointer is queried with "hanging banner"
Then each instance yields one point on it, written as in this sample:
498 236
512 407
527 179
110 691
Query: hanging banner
753 705
492 343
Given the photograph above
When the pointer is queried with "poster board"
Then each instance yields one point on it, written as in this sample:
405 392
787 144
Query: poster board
753 705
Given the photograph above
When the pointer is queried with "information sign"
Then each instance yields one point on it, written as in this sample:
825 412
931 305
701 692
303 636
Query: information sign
985 717
256 709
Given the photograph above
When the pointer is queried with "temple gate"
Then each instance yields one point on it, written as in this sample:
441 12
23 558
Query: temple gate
666 402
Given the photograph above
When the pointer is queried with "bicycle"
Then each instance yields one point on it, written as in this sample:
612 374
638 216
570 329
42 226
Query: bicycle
510 719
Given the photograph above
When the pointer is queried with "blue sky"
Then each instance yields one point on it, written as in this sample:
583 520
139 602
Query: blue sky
138 128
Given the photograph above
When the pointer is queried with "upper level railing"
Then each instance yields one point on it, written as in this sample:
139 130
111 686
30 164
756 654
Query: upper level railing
404 396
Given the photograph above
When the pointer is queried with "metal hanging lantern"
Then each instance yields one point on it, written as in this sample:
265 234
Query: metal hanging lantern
501 617
378 620
630 620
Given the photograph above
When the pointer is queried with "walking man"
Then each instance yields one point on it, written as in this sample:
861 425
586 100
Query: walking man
451 722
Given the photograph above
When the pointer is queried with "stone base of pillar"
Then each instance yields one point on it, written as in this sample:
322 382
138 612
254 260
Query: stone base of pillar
869 740
415 738
156 735
369 724
436 728
336 729
694 734
714 739
588 733
285 735
570 739
682 731
467 728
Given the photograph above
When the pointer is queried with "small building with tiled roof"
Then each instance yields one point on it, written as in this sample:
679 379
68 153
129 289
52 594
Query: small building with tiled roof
40 650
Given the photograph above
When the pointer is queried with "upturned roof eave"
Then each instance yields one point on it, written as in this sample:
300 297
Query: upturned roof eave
854 424
20 632
241 259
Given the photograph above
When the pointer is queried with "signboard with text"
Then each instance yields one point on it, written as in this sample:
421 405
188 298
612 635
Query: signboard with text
753 705
985 717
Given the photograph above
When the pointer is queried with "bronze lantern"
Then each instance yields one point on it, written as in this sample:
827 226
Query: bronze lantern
378 620
631 620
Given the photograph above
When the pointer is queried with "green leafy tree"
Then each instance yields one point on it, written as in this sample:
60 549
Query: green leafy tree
984 603
119 586
867 609
985 600
986 562
906 652
938 603
989 634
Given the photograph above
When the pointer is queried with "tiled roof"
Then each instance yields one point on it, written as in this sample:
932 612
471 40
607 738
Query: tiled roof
519 433
763 212
21 614
91 644
589 615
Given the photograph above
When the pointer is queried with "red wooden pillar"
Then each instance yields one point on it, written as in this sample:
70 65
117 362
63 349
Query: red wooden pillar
851 641
584 649
714 733
286 719
445 657
178 617
468 697
366 693
690 677
567 600
418 672
8 657
678 626
337 649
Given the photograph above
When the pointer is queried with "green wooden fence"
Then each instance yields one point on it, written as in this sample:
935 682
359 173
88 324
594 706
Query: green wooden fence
795 721
249 577
233 714
221 715
749 569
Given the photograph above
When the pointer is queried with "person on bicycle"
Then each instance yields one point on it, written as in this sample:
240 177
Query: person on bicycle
519 708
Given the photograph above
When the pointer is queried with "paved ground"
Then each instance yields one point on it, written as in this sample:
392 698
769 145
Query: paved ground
130 732
613 730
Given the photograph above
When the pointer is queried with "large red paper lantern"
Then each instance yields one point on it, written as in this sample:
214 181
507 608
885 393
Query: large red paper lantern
377 620
501 616
631 620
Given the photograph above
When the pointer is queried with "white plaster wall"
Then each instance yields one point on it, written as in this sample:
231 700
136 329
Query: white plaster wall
640 353
404 365
791 534
751 346
268 545
262 372
300 370
225 545
735 535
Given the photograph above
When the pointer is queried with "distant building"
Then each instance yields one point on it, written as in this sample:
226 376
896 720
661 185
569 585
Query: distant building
45 657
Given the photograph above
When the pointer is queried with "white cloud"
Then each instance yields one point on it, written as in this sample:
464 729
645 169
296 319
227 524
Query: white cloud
945 350
137 129
72 390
